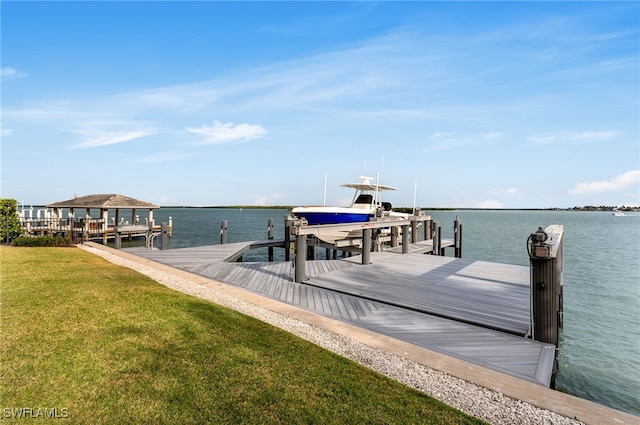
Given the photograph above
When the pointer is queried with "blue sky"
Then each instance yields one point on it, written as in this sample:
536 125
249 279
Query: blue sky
467 104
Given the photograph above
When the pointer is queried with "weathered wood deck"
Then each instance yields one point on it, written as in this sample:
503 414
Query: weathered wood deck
472 310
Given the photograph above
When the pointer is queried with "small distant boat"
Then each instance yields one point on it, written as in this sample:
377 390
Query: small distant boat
618 213
366 204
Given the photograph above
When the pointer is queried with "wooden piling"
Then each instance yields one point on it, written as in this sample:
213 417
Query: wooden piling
270 237
546 259
366 246
223 232
164 236
457 238
405 239
301 246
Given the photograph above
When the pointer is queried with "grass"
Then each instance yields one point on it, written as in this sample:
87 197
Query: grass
111 346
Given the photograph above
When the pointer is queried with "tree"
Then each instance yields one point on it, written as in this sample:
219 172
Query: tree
10 226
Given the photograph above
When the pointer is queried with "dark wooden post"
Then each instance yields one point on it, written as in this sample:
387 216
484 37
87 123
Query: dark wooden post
287 238
457 233
223 232
270 237
546 258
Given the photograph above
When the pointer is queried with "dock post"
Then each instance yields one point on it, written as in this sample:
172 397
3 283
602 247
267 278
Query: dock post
366 246
414 230
546 258
287 238
223 232
117 237
394 236
164 236
405 239
270 237
437 241
457 236
427 230
301 247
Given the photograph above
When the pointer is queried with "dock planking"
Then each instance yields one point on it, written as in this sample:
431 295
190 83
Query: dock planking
472 310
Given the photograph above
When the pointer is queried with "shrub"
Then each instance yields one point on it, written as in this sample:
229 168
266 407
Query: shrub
10 226
40 241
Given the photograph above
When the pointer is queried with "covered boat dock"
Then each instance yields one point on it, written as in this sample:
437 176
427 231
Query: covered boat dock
63 218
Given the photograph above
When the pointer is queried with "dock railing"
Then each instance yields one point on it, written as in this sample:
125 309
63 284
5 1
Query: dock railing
73 228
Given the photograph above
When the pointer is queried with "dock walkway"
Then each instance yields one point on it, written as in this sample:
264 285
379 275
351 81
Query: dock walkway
471 310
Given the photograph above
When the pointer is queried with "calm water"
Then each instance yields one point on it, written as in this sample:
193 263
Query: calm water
600 342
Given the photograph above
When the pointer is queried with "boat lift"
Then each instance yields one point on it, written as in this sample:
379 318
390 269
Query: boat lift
300 229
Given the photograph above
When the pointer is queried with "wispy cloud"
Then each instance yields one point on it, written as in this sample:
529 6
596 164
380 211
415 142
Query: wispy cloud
220 132
5 132
617 183
8 73
94 138
573 137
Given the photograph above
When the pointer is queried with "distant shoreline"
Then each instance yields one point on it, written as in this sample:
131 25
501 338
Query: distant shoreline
399 209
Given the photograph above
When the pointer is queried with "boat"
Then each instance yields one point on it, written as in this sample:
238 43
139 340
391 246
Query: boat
365 206
618 213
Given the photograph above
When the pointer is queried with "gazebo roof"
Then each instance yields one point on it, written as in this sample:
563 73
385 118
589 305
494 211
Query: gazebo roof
103 201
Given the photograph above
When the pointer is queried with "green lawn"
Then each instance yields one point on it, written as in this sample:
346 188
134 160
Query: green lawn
103 344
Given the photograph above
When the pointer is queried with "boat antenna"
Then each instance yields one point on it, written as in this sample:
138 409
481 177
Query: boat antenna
324 197
415 191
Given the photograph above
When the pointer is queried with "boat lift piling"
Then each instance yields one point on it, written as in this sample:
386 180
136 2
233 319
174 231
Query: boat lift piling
545 248
223 232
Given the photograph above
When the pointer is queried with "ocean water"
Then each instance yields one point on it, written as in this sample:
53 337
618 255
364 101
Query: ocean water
600 342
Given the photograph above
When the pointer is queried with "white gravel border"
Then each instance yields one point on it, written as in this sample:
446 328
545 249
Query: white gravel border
490 406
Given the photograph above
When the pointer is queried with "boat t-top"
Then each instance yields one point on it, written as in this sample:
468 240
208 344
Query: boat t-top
366 204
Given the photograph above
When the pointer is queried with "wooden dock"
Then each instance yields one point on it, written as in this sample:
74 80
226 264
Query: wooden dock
471 310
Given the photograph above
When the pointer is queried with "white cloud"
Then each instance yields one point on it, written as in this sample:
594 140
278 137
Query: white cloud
220 132
94 138
616 183
11 74
573 137
6 132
